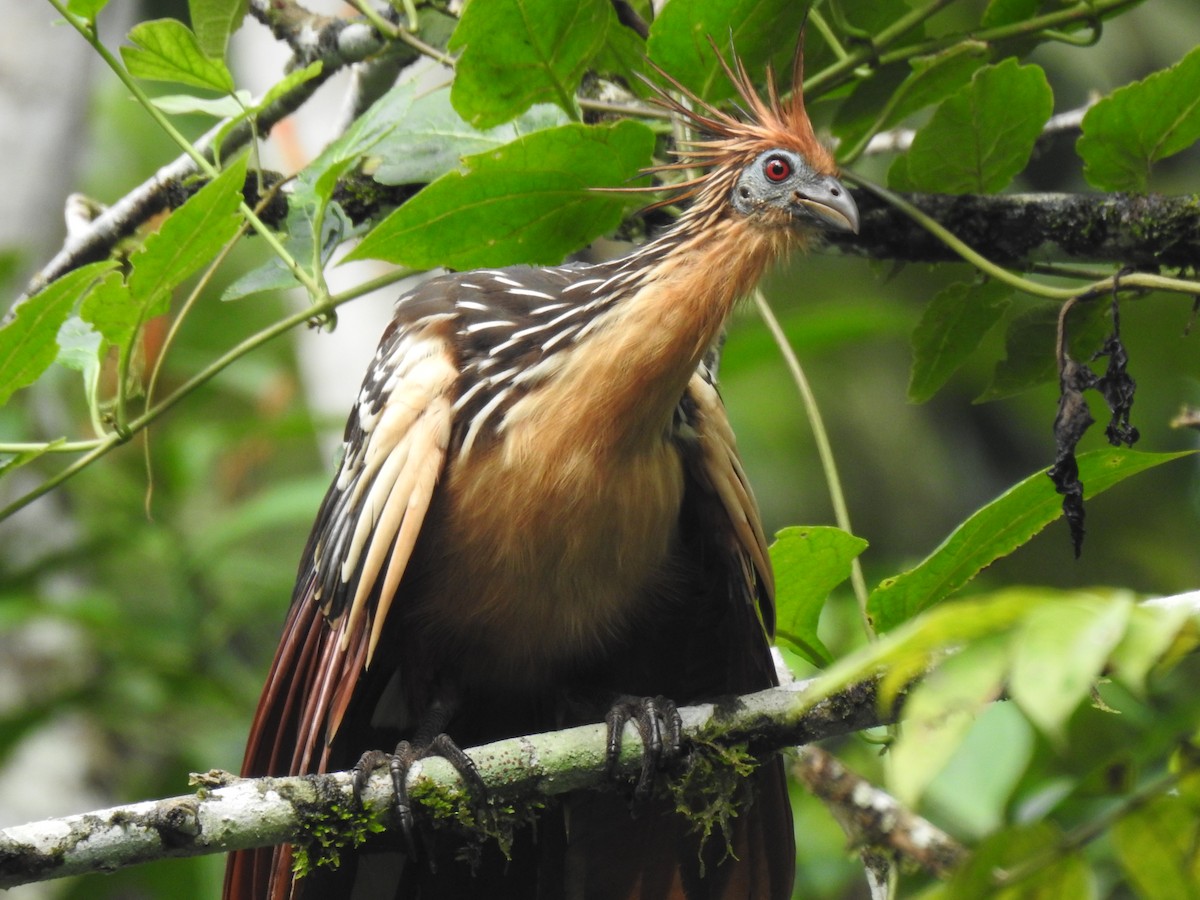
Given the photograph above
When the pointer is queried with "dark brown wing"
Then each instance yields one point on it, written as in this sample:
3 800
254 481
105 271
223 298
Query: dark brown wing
368 524
719 468
762 840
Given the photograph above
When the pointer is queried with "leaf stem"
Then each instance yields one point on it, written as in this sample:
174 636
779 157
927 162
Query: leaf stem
1138 280
97 449
90 34
841 511
1085 833
869 51
874 53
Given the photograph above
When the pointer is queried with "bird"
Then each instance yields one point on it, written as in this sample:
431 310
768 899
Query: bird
540 510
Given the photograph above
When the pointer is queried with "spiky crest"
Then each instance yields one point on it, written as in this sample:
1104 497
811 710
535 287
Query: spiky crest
727 143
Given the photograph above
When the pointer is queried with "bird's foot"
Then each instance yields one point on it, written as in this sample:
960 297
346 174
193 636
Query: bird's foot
401 761
661 729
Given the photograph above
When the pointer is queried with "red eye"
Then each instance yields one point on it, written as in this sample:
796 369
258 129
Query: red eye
777 168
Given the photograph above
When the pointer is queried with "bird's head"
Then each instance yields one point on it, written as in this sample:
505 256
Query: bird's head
784 187
767 166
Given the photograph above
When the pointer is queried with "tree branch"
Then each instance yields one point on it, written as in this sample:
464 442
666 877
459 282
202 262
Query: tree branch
1018 230
873 818
228 813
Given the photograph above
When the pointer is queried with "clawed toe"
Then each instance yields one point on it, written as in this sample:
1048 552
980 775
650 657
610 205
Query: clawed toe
401 761
661 729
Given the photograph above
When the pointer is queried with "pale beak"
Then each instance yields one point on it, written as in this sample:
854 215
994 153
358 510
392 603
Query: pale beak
831 204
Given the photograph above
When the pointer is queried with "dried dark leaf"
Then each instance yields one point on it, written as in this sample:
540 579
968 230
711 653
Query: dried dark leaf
1074 418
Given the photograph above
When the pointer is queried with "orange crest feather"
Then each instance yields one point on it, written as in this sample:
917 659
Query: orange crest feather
730 143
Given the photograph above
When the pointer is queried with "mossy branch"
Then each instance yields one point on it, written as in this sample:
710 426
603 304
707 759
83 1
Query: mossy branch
229 813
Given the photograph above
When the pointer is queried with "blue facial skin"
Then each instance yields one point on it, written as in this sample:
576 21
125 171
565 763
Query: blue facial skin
782 180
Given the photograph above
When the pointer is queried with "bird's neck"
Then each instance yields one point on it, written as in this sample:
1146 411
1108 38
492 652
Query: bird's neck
629 379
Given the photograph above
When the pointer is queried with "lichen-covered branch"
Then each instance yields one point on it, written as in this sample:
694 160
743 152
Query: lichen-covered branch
1147 231
229 813
874 819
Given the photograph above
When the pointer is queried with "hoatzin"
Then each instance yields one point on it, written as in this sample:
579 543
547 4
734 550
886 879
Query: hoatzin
541 501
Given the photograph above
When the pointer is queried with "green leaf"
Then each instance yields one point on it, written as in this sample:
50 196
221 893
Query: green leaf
995 531
81 347
527 202
878 103
214 21
167 50
543 54
188 239
229 106
679 38
433 139
623 57
1030 358
937 76
29 341
940 711
288 83
912 649
1151 632
1007 12
1139 124
318 179
950 329
983 135
1156 845
86 9
274 274
110 309
1059 652
809 562
1062 876
974 789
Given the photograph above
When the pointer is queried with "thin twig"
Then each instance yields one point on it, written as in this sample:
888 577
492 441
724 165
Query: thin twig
833 480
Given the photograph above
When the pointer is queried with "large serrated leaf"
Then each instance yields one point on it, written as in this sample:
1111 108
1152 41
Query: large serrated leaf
544 52
880 102
983 135
809 562
29 341
1059 652
189 238
316 182
527 202
213 21
950 329
1029 352
432 139
167 50
995 531
679 38
1139 124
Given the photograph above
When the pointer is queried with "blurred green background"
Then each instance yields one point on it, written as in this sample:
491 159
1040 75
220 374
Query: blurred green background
140 604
